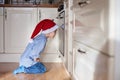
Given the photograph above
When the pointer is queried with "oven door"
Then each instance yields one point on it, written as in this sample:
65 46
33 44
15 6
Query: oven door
1 30
61 18
61 40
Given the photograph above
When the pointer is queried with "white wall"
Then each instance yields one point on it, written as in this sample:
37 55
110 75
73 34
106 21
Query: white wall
117 55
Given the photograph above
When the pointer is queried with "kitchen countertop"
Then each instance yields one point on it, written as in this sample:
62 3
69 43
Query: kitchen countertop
29 5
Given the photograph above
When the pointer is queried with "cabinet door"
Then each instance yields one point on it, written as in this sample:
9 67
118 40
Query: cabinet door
19 24
91 23
47 13
90 64
1 29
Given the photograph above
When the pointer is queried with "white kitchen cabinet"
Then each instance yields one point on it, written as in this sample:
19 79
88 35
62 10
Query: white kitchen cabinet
1 29
47 13
19 24
68 56
90 64
93 29
92 24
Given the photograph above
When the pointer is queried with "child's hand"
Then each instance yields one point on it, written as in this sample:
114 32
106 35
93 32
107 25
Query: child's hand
37 59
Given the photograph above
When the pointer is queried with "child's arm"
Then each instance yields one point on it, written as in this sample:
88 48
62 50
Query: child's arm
37 49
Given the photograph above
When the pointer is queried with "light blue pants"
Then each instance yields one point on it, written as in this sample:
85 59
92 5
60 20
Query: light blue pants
37 68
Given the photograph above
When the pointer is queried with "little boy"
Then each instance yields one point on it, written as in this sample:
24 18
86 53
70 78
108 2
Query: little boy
29 61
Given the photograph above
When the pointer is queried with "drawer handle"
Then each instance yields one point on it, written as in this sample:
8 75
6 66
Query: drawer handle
81 51
84 3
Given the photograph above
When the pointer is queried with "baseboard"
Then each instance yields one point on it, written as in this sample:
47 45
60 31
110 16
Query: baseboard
51 57
48 57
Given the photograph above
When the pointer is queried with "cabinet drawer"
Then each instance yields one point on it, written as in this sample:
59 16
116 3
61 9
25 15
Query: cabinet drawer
79 5
94 64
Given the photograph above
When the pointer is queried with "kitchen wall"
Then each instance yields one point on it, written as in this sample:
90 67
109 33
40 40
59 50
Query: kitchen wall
117 50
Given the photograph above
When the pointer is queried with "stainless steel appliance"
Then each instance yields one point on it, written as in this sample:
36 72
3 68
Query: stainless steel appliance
1 1
61 18
1 30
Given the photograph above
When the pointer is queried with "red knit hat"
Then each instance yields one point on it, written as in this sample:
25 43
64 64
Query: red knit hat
45 26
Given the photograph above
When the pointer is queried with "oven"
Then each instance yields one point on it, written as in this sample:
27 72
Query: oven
1 30
61 20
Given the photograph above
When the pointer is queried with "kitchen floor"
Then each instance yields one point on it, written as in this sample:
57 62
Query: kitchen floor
56 71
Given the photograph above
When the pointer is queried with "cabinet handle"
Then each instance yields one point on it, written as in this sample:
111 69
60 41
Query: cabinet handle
39 15
81 51
73 22
5 13
84 3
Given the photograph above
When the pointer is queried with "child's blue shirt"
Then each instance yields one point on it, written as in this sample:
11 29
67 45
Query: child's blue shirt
33 51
